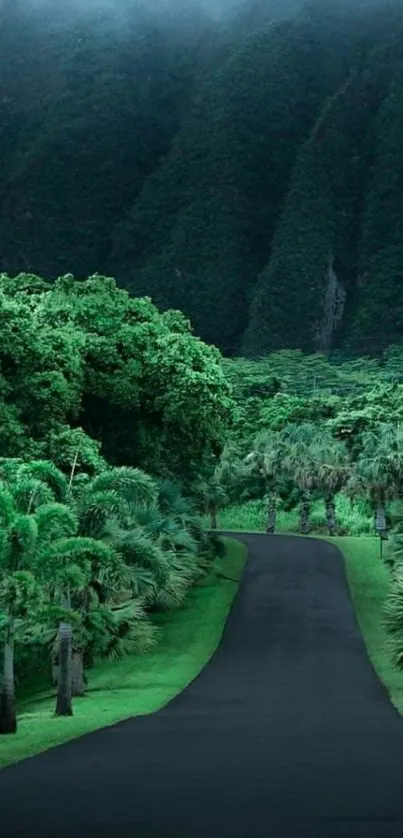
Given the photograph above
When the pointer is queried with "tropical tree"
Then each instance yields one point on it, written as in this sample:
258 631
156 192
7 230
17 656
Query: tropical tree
212 496
20 594
20 602
33 483
378 471
331 470
114 493
300 466
74 569
315 462
266 460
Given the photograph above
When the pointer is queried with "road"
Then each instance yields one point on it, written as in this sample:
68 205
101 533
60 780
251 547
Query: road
287 732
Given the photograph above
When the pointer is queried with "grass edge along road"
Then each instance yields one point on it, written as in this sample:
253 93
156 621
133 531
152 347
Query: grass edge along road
135 686
368 580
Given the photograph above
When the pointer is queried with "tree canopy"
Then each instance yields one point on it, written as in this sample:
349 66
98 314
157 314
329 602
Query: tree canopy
87 369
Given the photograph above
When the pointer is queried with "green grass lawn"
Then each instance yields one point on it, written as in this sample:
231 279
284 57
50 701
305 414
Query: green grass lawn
137 685
368 579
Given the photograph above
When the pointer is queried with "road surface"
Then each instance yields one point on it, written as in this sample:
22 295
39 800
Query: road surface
287 732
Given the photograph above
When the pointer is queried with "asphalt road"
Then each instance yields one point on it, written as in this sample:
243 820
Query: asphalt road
287 733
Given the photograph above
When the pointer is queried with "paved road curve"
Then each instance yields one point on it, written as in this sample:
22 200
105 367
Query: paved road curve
287 733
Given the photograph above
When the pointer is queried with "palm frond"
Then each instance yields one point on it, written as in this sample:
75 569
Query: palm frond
96 508
149 518
7 507
30 493
142 584
48 473
173 594
20 542
132 484
55 521
138 549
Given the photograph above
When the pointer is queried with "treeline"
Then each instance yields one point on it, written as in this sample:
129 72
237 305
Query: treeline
247 173
334 447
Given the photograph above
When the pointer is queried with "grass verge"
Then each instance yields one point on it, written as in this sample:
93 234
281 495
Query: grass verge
136 686
368 579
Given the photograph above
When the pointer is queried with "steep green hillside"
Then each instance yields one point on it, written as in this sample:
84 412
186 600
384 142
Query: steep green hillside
314 276
378 310
201 229
245 170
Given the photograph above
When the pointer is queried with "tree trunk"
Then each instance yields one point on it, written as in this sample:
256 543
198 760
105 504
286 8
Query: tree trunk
54 663
213 517
271 514
331 515
77 674
63 701
8 716
304 516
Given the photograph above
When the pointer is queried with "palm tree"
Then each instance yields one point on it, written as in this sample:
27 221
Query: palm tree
116 629
149 568
19 593
378 471
70 565
20 601
266 461
300 465
212 496
132 484
88 582
114 493
331 469
42 473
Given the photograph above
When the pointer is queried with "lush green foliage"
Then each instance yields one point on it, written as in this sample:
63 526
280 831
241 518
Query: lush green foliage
133 686
94 385
88 372
99 556
307 427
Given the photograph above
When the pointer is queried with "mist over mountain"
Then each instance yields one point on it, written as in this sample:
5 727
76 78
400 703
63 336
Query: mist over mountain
241 161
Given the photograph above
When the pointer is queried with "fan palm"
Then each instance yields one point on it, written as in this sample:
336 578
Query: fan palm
299 464
378 471
214 497
266 460
331 469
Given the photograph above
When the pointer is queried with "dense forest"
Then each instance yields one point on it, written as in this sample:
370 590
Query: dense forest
246 170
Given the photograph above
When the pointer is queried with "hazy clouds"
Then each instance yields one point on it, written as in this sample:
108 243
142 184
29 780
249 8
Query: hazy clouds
69 9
